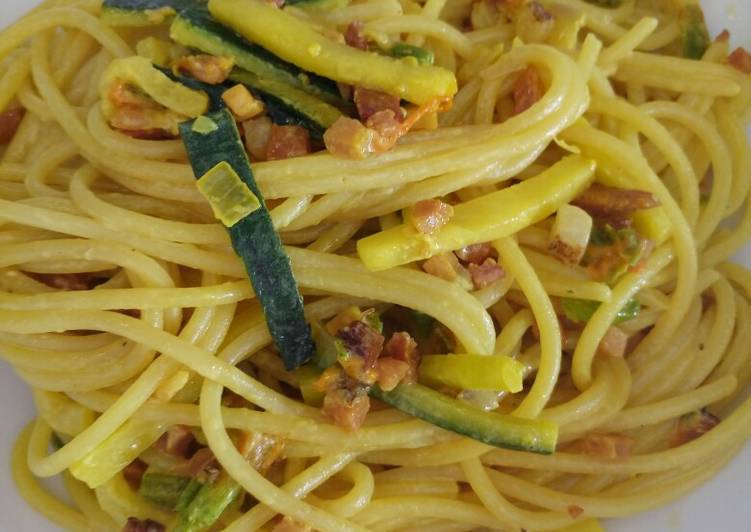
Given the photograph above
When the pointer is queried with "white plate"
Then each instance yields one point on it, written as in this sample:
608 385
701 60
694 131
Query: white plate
721 504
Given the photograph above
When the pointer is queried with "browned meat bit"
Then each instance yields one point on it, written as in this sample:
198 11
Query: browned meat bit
347 407
290 525
613 344
613 252
354 37
486 273
533 23
346 317
609 446
177 440
476 253
286 142
260 450
203 465
364 345
9 122
540 13
147 525
574 511
133 473
137 115
528 90
369 102
610 203
741 60
348 138
444 266
390 372
257 132
692 426
145 124
149 134
724 36
388 129
242 103
401 346
207 68
428 216
68 281
122 94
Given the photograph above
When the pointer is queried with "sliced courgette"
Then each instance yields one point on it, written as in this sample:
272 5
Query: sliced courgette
139 13
402 49
694 34
255 240
162 488
499 430
278 110
318 5
196 28
296 41
207 504
289 105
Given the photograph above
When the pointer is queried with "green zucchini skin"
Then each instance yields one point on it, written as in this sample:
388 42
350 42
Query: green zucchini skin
536 436
207 504
163 489
694 34
279 112
136 13
288 105
196 28
256 241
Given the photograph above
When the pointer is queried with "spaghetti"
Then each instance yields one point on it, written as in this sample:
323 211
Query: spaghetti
579 187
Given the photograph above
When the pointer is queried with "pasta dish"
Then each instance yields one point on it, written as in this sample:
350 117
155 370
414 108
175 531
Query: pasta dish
390 265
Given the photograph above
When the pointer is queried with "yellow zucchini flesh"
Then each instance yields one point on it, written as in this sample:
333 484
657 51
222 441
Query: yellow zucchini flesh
484 219
297 42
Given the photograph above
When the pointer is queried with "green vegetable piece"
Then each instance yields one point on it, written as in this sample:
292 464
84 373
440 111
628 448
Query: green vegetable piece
402 49
304 109
582 310
255 241
318 5
188 494
306 377
328 348
204 125
196 28
229 197
694 34
296 41
208 504
537 436
162 488
141 13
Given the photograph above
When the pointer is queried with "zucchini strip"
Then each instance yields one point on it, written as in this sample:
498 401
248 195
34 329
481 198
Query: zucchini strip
255 240
142 13
195 28
509 432
483 219
139 71
295 41
473 372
